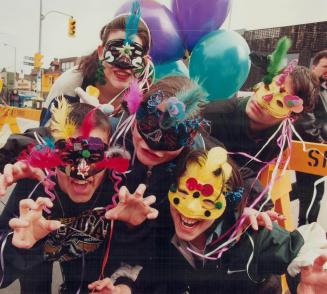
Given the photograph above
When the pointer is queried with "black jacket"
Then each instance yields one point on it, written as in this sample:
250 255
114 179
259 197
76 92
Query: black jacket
312 127
230 125
272 251
79 246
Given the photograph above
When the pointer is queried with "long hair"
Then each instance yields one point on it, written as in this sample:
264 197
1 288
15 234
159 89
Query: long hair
306 86
88 64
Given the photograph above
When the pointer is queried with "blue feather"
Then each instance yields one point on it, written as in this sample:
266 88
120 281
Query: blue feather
133 22
49 142
193 99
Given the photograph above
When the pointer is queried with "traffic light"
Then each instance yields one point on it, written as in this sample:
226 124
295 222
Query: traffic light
38 60
71 27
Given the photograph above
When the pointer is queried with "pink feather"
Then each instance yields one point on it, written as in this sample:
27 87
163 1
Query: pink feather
43 157
133 97
118 164
89 123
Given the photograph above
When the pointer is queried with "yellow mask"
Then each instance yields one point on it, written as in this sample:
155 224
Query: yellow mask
276 100
200 193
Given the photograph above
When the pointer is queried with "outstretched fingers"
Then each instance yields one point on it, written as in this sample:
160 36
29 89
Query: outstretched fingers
17 223
153 214
123 194
139 192
43 201
149 200
26 205
50 225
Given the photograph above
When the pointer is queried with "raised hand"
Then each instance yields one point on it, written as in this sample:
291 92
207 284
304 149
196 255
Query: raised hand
263 218
133 208
19 170
106 286
31 226
314 277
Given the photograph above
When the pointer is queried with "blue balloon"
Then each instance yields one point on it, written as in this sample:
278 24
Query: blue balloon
220 63
197 18
167 44
175 68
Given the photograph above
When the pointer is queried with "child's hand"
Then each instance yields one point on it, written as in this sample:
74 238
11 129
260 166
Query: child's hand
31 226
133 208
263 218
19 170
106 286
314 277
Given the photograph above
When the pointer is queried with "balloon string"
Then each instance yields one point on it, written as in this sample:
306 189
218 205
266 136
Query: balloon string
106 256
285 139
265 145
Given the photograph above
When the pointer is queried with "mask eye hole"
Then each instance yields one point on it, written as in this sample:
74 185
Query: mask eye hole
280 103
182 193
218 172
282 89
209 204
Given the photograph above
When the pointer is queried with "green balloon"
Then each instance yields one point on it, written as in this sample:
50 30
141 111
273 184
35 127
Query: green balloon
175 68
220 63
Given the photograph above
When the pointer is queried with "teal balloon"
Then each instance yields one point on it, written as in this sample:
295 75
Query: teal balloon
220 63
175 68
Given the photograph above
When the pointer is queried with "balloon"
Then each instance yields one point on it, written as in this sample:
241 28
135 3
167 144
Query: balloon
166 44
196 18
220 63
175 68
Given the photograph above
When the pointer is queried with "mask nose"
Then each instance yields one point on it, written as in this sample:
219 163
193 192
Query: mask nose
124 62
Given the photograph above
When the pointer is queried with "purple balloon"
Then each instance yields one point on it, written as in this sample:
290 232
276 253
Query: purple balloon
166 45
196 18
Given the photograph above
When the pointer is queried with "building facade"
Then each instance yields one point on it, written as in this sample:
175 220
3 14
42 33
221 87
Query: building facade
307 40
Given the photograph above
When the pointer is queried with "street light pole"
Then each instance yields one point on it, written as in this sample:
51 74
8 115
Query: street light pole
40 26
39 72
41 18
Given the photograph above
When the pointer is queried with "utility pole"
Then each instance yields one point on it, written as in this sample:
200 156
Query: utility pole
40 26
39 71
41 18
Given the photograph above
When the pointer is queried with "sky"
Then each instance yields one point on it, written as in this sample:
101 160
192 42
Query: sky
19 23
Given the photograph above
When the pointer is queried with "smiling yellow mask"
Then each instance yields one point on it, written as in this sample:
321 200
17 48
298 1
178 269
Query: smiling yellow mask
275 99
200 193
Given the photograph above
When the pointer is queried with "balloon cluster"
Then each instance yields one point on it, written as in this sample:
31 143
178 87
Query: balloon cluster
219 59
